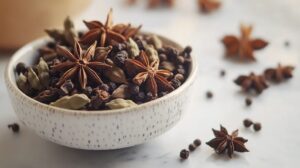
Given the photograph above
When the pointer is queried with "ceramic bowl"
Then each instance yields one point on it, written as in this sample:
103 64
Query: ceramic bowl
96 130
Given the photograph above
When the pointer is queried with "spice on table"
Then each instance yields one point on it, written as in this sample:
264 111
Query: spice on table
244 46
184 154
222 73
280 73
247 122
192 147
224 142
257 126
157 3
209 94
207 6
197 142
252 82
287 43
248 101
14 127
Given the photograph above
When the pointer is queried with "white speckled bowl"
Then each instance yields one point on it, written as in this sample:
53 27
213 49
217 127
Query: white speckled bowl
96 130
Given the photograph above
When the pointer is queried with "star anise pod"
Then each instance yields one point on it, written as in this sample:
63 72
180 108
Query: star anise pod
108 34
156 3
84 64
148 73
66 36
255 82
225 142
280 73
243 46
207 6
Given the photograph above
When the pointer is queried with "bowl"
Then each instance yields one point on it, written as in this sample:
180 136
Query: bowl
96 130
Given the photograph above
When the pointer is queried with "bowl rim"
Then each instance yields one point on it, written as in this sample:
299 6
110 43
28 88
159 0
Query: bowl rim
31 45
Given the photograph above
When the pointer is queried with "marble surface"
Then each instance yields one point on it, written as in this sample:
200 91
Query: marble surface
277 145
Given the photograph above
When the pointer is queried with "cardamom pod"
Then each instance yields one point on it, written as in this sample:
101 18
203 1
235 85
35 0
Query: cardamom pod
43 72
153 55
116 74
22 83
69 31
155 41
74 102
34 80
133 48
120 103
121 92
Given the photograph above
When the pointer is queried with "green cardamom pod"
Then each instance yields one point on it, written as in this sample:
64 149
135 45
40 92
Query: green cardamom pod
22 82
43 72
153 55
34 80
120 103
133 48
121 92
155 41
74 102
116 74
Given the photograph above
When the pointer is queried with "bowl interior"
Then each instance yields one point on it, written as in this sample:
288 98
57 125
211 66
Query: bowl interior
29 53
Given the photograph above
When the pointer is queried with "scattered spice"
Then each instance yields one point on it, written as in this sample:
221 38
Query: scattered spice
14 127
225 142
287 43
157 3
257 126
192 147
184 154
248 101
244 46
279 74
197 142
247 122
252 82
222 73
209 94
207 6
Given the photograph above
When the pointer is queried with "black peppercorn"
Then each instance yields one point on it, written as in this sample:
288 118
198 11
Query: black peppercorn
104 87
88 90
112 86
67 87
248 101
179 77
222 73
133 89
140 96
247 123
163 57
175 83
119 47
14 127
141 44
187 49
192 147
20 68
257 126
209 94
184 154
197 142
121 57
180 60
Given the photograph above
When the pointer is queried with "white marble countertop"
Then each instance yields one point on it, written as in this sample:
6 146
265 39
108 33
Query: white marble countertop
277 145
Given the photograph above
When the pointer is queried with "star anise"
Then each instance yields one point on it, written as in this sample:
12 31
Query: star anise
108 34
156 3
207 6
85 64
66 36
280 73
223 141
255 82
148 73
244 46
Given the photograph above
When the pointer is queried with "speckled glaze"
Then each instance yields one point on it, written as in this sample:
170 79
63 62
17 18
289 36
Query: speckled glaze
96 130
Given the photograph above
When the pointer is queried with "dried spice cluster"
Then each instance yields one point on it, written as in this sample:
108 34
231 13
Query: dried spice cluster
108 67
